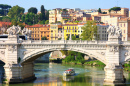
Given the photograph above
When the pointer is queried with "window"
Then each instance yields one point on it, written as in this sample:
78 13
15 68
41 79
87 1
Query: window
124 25
124 38
124 31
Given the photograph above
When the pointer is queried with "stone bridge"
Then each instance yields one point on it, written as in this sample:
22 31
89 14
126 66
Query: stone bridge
18 55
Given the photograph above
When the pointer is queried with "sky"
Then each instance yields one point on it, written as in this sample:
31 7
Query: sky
82 4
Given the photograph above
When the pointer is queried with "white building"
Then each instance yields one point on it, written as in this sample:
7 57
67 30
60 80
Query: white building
102 31
80 29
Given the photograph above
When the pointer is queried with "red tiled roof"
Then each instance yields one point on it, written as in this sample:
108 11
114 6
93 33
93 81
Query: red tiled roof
37 25
7 23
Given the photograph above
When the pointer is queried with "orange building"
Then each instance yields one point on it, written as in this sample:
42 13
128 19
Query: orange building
39 31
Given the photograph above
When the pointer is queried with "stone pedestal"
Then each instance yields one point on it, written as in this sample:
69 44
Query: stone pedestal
114 75
15 73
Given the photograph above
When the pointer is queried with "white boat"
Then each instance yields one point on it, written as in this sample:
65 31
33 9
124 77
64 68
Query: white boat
69 72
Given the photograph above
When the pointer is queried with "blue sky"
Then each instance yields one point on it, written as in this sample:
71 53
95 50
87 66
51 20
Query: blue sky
83 4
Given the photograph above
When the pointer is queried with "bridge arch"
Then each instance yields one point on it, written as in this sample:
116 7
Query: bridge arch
37 53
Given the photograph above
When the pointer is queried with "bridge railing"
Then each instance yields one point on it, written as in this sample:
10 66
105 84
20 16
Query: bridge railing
125 42
62 42
2 41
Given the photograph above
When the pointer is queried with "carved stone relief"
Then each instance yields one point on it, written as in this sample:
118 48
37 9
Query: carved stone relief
26 52
2 52
127 53
102 53
12 48
114 49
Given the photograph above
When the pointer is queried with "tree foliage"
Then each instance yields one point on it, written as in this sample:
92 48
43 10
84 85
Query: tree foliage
99 10
15 11
6 19
42 15
4 9
33 10
30 18
115 9
89 31
47 22
47 15
15 22
44 38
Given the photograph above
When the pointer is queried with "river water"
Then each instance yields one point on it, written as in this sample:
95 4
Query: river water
50 74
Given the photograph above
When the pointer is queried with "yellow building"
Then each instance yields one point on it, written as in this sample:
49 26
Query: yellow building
54 31
70 28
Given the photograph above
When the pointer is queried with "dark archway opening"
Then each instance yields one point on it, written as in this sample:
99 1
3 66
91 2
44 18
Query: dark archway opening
2 71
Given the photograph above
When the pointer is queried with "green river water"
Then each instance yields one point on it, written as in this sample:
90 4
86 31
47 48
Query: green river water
50 74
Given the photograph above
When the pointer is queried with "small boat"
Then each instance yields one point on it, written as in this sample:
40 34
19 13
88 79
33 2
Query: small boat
69 72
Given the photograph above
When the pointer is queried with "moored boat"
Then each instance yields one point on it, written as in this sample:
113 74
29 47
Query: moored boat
69 72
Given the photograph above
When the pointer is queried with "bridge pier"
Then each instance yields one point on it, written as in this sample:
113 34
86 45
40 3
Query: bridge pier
15 73
113 69
114 75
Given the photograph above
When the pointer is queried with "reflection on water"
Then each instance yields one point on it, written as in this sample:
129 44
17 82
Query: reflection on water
52 75
68 78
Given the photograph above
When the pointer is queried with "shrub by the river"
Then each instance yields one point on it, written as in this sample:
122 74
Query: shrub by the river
74 58
94 63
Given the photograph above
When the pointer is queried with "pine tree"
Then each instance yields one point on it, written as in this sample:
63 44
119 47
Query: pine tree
99 10
43 12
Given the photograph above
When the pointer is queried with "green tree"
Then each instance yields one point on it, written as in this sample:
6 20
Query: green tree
104 12
42 12
33 10
44 38
47 22
47 15
30 18
89 31
15 11
99 10
4 9
6 19
14 22
115 9
59 38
